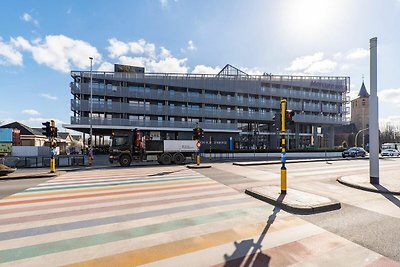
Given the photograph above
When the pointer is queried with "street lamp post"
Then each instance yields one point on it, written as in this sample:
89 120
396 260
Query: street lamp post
91 115
355 139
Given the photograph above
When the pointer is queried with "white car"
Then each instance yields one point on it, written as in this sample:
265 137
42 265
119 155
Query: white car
390 152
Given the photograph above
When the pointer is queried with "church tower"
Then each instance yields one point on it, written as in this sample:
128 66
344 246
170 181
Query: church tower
359 110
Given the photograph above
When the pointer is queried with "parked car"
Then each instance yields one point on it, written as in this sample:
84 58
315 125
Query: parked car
390 152
354 152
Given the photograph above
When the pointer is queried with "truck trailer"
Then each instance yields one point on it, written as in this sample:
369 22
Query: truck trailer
131 146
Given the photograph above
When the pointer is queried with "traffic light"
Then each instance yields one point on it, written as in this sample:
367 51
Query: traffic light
289 117
198 133
46 128
201 133
53 143
55 132
277 122
195 133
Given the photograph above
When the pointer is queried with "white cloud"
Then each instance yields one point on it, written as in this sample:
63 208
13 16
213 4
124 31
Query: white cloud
37 122
393 120
165 53
251 71
164 3
338 55
145 54
323 66
312 64
302 63
346 66
191 46
59 52
50 97
170 64
357 53
133 61
31 112
390 96
8 55
106 66
117 48
141 47
202 69
28 18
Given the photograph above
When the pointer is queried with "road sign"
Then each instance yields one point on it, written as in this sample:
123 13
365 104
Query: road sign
283 157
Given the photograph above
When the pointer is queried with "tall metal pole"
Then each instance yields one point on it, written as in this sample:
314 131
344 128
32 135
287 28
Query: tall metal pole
373 115
91 116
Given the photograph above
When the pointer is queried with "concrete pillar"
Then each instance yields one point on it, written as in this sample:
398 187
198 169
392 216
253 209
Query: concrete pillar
315 136
331 140
373 115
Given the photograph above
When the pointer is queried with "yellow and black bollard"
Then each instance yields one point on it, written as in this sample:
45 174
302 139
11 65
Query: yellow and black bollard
283 143
198 145
52 146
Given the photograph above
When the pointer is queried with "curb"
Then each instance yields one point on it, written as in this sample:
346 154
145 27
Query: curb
198 167
294 208
287 161
373 190
31 176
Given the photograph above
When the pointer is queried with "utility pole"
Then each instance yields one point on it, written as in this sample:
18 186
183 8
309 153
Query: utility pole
90 156
373 115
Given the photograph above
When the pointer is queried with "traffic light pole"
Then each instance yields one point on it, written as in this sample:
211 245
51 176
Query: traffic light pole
283 146
52 141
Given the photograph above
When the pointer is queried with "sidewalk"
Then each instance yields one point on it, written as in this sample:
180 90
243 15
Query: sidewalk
30 173
389 183
295 201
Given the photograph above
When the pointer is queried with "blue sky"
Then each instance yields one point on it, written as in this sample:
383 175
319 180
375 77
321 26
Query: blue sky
41 41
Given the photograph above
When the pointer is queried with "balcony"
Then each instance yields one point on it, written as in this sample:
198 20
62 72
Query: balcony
158 110
153 124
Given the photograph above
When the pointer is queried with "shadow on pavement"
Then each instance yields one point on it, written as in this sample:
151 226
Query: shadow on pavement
387 194
248 252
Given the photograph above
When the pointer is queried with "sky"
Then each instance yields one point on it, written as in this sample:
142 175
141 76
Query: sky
42 41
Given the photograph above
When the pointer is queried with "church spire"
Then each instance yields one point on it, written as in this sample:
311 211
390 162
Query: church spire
363 91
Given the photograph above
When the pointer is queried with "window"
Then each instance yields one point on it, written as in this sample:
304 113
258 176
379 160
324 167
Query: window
120 140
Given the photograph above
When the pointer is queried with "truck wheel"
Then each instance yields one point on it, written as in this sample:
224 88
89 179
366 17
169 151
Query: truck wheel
179 158
166 159
125 160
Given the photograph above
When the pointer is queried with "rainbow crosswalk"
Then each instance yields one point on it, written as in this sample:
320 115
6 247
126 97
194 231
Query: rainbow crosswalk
160 216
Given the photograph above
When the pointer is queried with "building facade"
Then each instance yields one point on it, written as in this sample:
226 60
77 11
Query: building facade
230 105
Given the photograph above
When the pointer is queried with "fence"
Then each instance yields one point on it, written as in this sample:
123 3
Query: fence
37 162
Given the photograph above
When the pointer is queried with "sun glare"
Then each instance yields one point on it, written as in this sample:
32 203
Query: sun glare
309 16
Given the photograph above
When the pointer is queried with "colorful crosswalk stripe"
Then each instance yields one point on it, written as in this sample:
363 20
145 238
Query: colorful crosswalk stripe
164 216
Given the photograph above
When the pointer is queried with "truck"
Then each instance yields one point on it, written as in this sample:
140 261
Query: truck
129 146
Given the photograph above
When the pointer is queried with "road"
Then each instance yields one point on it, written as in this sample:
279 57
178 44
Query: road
174 216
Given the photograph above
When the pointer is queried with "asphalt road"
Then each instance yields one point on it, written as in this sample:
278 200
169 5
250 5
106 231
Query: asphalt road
369 219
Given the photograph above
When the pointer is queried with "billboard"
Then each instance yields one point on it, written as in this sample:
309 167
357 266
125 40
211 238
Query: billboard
127 68
5 147
6 135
